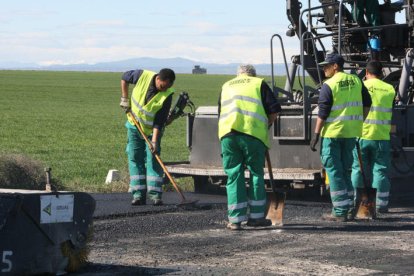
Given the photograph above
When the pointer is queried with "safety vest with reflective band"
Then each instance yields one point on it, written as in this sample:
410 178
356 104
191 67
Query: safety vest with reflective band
346 116
242 108
145 113
377 125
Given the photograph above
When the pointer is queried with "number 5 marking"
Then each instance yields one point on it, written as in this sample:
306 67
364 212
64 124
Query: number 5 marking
6 261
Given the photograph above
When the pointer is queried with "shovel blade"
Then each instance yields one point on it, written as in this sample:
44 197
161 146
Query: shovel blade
366 205
276 205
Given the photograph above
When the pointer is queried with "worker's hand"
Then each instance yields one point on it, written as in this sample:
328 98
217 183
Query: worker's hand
314 141
125 105
154 147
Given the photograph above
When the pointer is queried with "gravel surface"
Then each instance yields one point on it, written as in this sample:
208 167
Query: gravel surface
167 240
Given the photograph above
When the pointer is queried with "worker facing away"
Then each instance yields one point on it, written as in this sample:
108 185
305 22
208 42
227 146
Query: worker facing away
339 122
150 103
246 108
375 139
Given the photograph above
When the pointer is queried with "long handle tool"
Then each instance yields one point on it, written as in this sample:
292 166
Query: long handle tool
366 202
276 199
184 201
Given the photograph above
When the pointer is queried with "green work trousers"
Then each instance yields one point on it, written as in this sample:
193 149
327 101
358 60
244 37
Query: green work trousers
336 157
369 8
239 152
376 158
144 171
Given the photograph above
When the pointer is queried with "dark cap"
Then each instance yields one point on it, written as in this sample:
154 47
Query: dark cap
332 58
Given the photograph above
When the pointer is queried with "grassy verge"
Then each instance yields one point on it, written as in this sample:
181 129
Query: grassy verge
71 121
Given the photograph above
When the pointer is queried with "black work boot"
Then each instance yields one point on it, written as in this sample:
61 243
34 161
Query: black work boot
351 214
138 201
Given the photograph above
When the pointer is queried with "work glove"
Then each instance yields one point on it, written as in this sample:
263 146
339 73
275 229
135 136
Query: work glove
314 141
154 147
125 105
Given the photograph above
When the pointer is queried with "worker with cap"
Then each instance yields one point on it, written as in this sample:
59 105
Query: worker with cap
339 122
150 103
375 139
246 108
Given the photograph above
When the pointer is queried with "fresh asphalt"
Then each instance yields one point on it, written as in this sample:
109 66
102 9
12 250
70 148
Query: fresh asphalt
119 204
170 240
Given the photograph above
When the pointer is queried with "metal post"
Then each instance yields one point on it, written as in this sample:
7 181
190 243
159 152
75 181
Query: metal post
48 187
340 27
284 59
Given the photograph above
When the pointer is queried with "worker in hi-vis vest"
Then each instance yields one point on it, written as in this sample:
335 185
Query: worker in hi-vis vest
375 139
150 104
246 108
342 99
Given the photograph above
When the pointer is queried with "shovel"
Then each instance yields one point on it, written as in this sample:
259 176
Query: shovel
366 202
276 199
184 201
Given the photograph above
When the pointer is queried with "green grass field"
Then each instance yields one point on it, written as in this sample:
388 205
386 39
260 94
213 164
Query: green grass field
71 121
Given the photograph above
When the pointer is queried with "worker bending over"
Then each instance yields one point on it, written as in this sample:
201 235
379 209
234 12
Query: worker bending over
247 107
150 103
375 139
339 122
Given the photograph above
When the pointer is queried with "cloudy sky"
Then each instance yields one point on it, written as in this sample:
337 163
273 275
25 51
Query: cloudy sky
90 31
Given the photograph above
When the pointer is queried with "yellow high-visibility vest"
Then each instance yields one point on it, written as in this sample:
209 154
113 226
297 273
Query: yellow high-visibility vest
377 125
346 116
145 113
242 108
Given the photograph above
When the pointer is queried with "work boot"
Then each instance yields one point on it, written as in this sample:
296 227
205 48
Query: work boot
351 214
138 201
261 222
331 217
157 202
234 226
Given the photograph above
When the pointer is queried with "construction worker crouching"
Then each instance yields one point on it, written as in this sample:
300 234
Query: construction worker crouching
150 103
339 122
246 108
375 140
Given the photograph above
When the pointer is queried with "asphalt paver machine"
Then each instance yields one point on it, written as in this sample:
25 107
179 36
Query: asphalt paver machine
326 25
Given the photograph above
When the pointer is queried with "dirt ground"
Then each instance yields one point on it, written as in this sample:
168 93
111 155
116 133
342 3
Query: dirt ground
166 240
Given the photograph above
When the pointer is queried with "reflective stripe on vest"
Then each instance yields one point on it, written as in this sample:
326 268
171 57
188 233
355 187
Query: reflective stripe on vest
346 116
377 125
145 113
242 108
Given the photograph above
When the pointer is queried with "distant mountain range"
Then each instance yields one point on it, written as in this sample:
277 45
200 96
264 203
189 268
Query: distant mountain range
179 65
